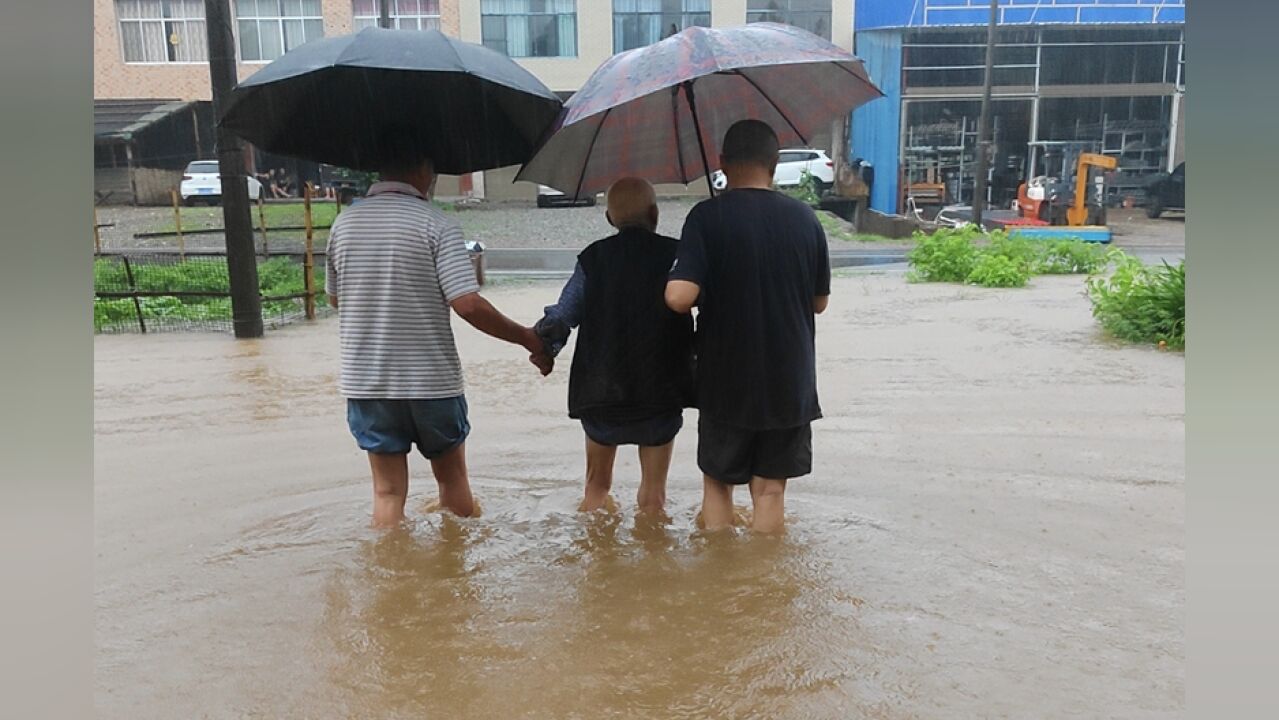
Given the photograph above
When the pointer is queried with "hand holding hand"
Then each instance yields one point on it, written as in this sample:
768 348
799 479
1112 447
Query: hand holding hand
543 362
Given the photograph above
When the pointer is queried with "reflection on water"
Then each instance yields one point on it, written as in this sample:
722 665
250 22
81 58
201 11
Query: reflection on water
612 617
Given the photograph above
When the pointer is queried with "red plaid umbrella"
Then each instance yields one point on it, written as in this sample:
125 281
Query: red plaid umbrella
659 112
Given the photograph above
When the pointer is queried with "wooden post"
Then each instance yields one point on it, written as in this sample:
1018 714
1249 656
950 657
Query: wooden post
308 262
177 222
266 251
133 288
97 237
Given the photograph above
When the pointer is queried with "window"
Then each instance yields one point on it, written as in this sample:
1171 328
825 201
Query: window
958 58
405 14
811 15
530 28
158 31
270 28
637 23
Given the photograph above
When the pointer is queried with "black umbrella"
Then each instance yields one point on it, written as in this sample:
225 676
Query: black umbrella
333 101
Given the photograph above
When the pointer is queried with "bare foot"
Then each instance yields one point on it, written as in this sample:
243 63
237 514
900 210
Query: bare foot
741 517
433 505
608 505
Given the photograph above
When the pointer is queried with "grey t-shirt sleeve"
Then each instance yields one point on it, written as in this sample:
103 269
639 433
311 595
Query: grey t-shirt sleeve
453 265
330 270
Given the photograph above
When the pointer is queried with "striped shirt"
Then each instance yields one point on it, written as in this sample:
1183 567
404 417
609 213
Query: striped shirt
395 262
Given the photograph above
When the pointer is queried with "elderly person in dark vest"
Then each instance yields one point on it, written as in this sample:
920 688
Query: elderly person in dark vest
632 372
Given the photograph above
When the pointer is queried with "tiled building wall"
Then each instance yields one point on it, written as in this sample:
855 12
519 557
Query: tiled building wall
114 78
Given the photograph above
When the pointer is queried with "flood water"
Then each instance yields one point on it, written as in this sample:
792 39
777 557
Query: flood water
978 538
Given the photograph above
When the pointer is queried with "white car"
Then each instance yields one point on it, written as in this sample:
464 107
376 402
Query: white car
549 196
201 182
791 164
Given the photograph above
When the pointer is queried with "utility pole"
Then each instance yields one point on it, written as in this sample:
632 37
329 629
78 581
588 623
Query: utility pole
384 13
983 125
241 260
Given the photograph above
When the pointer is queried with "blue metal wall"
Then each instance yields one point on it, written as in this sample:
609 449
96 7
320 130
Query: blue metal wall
873 14
878 25
876 124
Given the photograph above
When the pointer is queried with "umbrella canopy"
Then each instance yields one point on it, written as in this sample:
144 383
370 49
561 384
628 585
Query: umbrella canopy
332 101
659 112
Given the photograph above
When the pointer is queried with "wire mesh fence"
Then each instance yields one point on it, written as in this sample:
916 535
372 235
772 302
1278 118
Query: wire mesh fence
143 291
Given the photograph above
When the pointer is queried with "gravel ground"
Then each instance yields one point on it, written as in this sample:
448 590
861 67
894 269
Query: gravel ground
523 225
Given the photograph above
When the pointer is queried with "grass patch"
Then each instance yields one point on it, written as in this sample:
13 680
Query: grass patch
1141 303
837 228
290 214
276 277
997 259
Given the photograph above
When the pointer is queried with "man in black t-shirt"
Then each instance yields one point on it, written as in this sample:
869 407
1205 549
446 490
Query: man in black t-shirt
755 264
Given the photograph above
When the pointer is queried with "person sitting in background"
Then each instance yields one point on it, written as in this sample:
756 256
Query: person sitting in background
632 372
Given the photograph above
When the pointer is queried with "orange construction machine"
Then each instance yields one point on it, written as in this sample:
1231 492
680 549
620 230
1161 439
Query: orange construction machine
1050 197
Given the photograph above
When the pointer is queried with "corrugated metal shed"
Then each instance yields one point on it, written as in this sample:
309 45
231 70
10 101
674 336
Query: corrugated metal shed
120 120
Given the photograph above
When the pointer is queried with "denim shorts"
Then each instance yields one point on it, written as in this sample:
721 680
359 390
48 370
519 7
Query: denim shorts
393 427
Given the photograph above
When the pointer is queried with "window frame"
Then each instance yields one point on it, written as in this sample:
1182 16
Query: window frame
278 22
164 21
788 13
505 50
358 21
684 14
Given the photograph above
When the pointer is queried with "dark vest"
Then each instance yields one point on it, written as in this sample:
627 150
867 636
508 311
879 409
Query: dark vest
634 356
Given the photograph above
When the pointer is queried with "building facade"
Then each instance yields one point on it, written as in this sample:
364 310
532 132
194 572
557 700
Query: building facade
1103 75
155 50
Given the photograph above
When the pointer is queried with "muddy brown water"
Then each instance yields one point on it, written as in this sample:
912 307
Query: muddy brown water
994 528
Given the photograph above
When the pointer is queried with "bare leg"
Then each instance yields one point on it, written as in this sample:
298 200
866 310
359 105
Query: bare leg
390 488
717 504
599 475
768 497
655 463
455 486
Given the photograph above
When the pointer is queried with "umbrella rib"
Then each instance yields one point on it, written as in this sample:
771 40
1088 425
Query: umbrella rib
577 194
764 95
679 147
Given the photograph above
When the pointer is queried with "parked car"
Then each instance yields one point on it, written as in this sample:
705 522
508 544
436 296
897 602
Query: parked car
791 164
1166 191
201 182
550 197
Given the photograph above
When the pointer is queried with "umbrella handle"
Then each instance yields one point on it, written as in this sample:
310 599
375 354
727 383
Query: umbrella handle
697 128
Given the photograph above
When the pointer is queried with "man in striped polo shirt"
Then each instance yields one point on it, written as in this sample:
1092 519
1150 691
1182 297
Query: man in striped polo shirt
396 266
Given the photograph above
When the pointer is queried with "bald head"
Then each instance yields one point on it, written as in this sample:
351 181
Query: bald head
632 203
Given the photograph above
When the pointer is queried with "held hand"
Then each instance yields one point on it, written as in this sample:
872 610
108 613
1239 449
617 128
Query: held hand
543 362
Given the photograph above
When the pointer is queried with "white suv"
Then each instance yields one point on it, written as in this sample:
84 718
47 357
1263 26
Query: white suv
791 164
202 183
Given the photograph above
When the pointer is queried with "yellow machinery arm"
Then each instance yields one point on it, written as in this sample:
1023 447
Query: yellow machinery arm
1077 213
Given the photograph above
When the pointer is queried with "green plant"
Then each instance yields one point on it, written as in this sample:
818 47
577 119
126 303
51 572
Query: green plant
1068 257
947 255
995 270
1141 303
808 191
277 277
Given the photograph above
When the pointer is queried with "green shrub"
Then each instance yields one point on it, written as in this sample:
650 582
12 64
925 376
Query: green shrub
996 270
1141 303
1068 257
947 255
808 191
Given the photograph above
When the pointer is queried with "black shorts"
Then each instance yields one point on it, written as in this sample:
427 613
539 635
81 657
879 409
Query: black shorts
734 455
